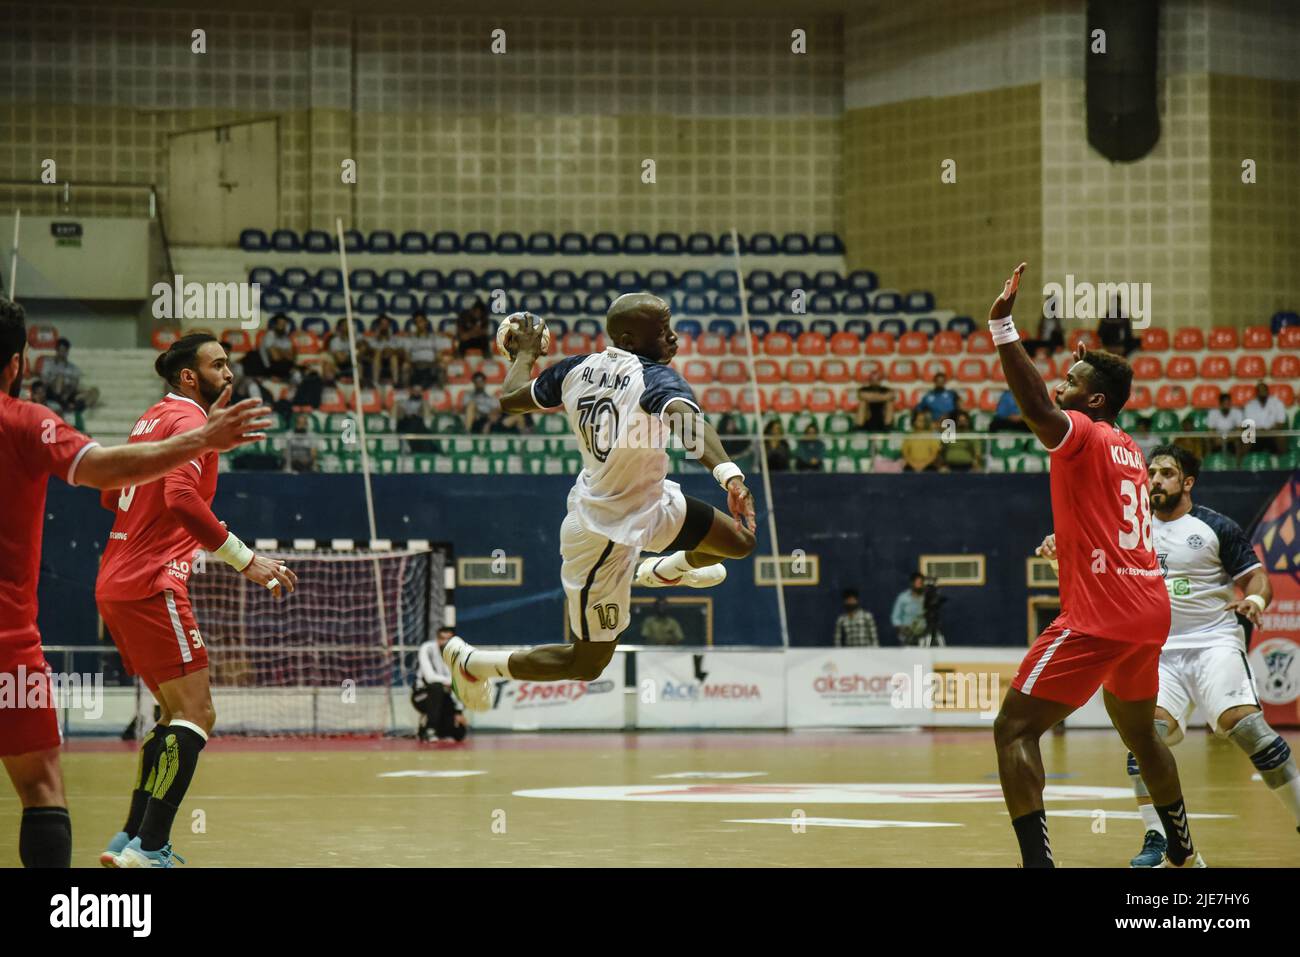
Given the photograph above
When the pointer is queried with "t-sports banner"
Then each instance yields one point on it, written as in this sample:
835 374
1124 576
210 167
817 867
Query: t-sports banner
1275 646
546 705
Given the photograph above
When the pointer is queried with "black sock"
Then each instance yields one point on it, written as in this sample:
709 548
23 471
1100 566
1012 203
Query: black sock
144 775
1031 832
1178 833
178 756
45 837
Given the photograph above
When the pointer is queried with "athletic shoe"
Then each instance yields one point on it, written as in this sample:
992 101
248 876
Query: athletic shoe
474 693
1153 851
1195 861
108 858
133 855
705 577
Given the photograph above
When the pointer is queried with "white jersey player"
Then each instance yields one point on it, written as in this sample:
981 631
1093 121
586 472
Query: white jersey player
623 404
1204 556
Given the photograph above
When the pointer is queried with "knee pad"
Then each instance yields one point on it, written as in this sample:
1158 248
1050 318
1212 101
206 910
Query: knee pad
1268 751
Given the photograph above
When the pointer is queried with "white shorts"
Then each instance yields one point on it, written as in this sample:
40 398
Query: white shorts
597 573
1215 679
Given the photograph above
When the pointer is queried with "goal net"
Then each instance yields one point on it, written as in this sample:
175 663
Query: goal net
332 658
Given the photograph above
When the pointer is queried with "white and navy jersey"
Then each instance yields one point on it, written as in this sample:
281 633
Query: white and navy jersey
615 402
1201 554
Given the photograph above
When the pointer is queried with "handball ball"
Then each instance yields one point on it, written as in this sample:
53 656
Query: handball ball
506 332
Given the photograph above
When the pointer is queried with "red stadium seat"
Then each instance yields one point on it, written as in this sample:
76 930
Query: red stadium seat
731 372
1285 366
237 339
709 344
834 371
745 400
575 344
1139 399
1155 340
1046 368
778 344
305 342
1289 337
737 345
968 397
849 400
1222 339
1242 393
697 372
1180 367
766 371
1251 367
980 343
787 399
333 400
989 397
439 400
972 370
800 371
845 344
458 372
821 399
812 344
1259 338
913 344
716 401
1189 340
903 370
1205 397
862 371
163 337
685 345
1216 368
1171 397
880 344
43 336
1085 336
1146 368
996 373
934 367
1283 392
946 344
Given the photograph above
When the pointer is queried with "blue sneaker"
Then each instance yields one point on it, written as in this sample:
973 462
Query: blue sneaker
133 855
120 840
1153 851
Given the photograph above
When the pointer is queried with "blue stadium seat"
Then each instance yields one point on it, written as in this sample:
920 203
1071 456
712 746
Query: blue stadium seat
760 280
700 244
559 328
660 282
726 304
1283 319
295 278
253 241
927 324
542 244
409 325
696 304
763 244
859 327
335 304
318 241
565 304
428 280
725 281
461 280
823 304
887 302
396 280
760 304
448 325
828 244
510 244
723 327
693 281
477 242
304 300
562 280
793 279
919 301
435 303
854 304
402 304
444 242
669 244
597 304
534 302
688 327
414 242
637 244
274 301
363 280
605 244
895 327
825 326
329 279
370 303
465 300
528 280
861 280
628 280
727 247
791 327
593 280
285 241
382 241
317 324
588 327
828 280
574 244
962 324
795 244
264 276
759 327
494 279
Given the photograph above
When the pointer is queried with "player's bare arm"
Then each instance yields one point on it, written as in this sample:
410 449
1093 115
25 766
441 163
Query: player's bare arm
228 427
1047 422
516 391
1256 595
694 431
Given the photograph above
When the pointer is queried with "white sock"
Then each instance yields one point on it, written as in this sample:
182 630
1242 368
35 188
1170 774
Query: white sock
488 664
672 566
1150 819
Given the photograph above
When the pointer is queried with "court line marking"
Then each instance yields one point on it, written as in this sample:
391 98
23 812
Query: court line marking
714 775
429 774
818 793
793 822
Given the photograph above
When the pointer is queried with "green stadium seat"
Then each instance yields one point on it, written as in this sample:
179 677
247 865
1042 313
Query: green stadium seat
1197 420
1166 420
1216 462
1128 420
1261 462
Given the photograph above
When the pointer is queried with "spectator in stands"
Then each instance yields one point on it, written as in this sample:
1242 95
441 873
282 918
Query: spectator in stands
244 386
908 615
424 367
479 406
1007 418
775 447
1051 334
855 627
1115 331
411 421
810 453
41 396
1266 412
922 451
1225 422
301 447
62 380
1143 438
441 714
338 355
875 412
940 402
386 350
962 455
473 330
741 450
277 352
661 628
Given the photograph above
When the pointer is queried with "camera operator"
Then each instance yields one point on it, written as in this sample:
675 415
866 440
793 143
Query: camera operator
916 613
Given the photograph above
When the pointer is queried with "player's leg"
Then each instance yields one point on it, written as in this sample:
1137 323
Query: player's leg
1020 723
1173 704
45 832
707 537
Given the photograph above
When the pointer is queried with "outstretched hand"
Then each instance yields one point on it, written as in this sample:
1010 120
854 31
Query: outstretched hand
1001 307
741 504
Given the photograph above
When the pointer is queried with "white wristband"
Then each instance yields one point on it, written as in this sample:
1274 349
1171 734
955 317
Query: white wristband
1257 601
727 471
235 553
1003 330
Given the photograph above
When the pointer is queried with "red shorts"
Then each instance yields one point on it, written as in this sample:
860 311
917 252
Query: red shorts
1068 666
29 719
157 636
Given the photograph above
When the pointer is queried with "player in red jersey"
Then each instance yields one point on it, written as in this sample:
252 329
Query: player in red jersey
35 444
143 596
1114 605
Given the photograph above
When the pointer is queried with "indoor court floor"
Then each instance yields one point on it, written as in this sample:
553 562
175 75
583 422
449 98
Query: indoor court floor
744 799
